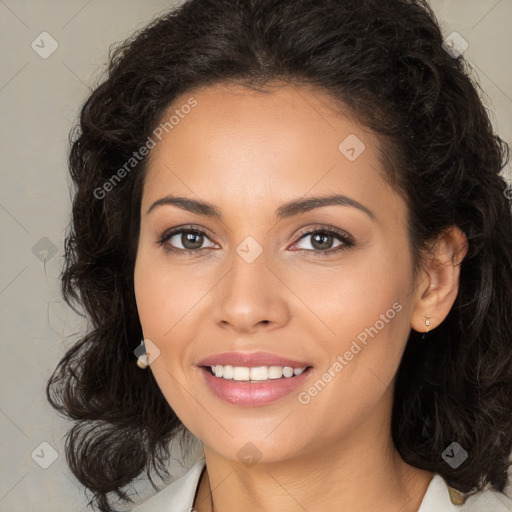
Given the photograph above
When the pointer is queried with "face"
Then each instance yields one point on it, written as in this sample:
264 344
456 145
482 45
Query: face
326 286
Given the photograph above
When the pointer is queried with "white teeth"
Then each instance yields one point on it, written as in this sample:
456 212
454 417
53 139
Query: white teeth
227 372
287 371
258 373
275 372
240 373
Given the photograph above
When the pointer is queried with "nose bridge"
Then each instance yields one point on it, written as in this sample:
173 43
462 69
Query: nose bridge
250 294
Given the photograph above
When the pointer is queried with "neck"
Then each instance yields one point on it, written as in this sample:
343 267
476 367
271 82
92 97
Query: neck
362 473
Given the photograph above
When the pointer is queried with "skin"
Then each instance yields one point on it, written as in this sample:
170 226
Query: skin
248 153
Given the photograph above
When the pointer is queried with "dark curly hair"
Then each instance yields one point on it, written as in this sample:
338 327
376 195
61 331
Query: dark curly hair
384 63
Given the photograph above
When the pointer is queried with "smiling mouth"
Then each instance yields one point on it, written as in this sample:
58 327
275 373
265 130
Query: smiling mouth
257 374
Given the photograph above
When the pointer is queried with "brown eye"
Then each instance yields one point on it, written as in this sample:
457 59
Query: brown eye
322 240
191 241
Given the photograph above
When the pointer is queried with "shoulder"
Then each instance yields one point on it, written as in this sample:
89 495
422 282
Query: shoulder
178 496
488 500
437 499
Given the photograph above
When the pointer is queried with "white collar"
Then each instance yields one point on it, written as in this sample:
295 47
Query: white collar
179 496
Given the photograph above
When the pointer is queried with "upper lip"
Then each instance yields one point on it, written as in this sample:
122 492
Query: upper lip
251 359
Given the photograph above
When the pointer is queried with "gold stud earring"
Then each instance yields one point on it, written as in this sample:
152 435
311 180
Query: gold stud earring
142 357
427 323
142 361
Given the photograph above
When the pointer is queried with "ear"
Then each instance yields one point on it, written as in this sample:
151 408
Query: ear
438 284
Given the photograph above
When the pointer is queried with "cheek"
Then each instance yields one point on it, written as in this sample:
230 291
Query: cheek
161 303
154 305
163 294
370 334
361 312
351 297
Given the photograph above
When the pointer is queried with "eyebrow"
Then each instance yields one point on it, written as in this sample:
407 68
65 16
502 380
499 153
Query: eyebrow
290 209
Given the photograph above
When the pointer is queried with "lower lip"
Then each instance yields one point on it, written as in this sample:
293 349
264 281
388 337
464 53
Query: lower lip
253 394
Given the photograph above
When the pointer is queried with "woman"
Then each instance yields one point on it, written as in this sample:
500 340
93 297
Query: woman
292 240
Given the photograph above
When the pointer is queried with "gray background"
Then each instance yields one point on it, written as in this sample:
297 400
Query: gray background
39 102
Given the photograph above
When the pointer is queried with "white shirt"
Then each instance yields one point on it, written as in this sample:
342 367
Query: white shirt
179 497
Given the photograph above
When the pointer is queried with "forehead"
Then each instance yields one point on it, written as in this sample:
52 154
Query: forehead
251 145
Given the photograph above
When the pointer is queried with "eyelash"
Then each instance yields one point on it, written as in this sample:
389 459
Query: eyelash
344 237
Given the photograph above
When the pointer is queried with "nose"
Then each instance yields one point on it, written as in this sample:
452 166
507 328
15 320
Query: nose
251 296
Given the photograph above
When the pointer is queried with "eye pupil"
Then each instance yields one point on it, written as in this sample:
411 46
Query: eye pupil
187 237
324 245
